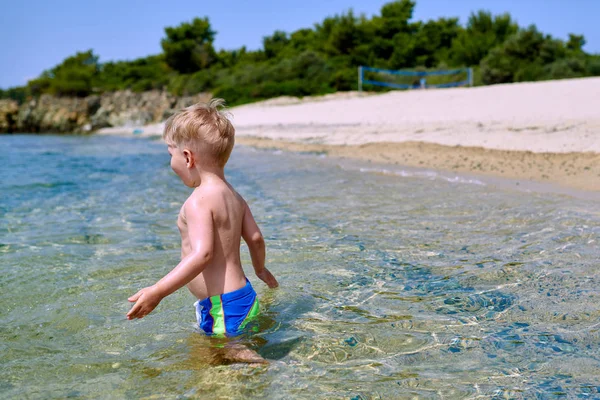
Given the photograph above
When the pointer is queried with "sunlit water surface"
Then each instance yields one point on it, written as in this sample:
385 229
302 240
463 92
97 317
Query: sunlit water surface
391 286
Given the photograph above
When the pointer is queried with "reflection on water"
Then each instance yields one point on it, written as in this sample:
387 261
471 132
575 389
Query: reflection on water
391 286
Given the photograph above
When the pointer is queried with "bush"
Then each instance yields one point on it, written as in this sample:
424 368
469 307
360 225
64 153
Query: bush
138 75
593 66
526 56
189 46
19 94
73 77
566 68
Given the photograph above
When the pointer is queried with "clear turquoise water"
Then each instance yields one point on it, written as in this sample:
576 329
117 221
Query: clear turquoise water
391 286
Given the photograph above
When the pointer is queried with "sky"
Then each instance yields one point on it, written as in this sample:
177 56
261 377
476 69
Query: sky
36 35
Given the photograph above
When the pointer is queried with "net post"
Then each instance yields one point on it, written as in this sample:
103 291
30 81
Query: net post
360 79
470 72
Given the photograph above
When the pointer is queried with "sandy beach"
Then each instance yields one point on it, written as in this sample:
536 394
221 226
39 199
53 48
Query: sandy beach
543 131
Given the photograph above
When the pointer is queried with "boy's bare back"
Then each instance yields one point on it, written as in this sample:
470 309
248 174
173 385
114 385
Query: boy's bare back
222 209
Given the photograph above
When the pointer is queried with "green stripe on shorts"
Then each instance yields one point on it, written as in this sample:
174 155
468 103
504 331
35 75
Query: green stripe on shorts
217 313
251 314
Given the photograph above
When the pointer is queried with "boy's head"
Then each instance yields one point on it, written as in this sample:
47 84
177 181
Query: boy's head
204 129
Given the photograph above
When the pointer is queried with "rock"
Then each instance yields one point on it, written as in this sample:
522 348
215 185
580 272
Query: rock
70 114
53 114
8 115
93 104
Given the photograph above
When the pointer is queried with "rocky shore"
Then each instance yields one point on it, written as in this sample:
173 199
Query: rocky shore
49 114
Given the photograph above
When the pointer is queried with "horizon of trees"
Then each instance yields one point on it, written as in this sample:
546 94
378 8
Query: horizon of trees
324 59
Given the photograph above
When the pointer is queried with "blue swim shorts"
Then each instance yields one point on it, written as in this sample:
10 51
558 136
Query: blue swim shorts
227 313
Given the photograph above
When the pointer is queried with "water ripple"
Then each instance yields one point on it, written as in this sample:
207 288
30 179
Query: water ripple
391 285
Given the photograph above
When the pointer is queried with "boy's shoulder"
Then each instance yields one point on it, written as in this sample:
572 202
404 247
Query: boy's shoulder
198 203
202 195
213 193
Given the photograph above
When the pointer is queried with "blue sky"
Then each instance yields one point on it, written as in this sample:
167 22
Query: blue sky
37 34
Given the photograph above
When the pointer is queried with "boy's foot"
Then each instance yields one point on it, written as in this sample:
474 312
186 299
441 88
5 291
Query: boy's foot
238 353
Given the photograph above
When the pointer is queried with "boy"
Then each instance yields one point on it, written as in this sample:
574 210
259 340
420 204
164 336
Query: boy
211 222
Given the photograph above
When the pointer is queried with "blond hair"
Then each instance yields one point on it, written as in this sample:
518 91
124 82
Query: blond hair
203 127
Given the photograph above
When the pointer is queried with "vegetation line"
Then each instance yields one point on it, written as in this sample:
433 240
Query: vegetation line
323 59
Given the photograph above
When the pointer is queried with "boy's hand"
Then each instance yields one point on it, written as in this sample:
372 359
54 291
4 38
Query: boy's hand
145 301
267 277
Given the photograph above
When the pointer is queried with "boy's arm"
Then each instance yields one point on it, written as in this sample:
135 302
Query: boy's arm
201 237
256 244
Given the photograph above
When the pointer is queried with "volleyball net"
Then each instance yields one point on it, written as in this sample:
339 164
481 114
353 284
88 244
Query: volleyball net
414 79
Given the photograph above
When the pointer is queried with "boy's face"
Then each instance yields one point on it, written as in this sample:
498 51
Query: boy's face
180 163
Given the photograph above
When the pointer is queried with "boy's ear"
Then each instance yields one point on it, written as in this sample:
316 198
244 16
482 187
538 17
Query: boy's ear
189 158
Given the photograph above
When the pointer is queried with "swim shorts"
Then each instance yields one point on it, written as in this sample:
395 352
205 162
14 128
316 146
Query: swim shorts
227 313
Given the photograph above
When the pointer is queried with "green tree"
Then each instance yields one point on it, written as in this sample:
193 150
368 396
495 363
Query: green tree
482 34
230 58
274 44
395 17
389 31
189 46
528 55
344 35
302 39
593 65
142 74
432 42
73 77
19 94
576 43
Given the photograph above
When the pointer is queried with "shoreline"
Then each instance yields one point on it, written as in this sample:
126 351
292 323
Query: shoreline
547 132
578 171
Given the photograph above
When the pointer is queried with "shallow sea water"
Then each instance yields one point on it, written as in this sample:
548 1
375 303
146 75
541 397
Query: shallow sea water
391 286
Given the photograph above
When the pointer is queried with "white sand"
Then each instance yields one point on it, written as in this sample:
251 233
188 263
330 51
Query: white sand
554 116
557 116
